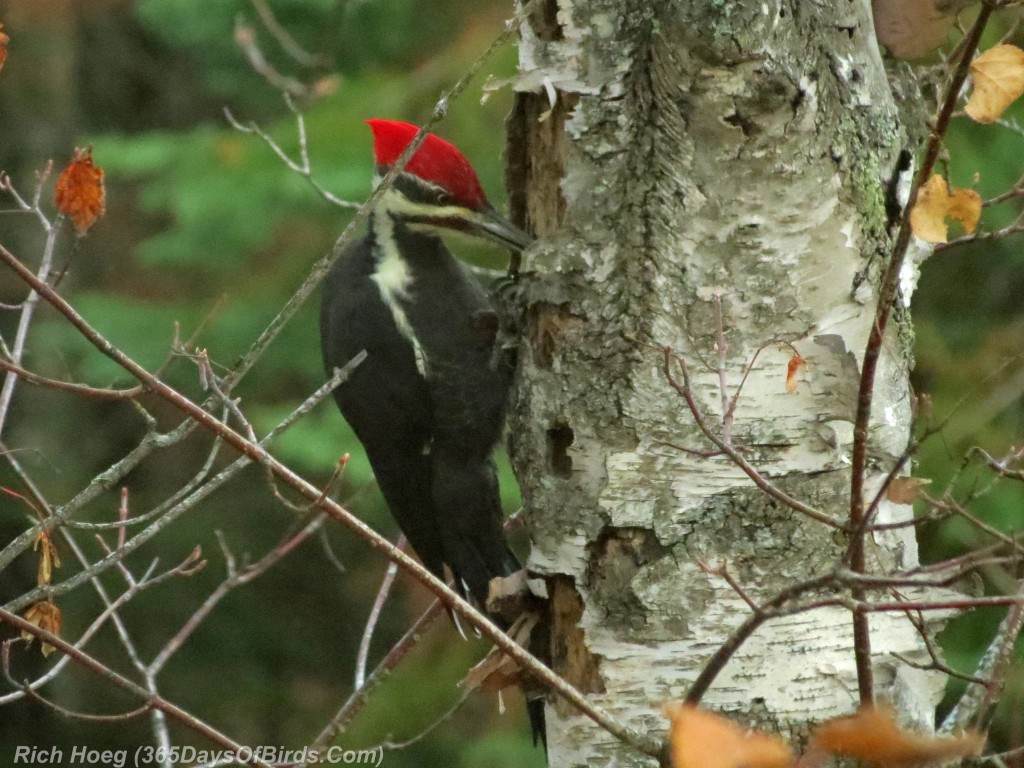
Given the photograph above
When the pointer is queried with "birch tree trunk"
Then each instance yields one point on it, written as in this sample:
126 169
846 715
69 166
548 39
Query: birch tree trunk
668 153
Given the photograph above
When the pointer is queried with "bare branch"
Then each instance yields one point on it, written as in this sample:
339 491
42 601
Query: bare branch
67 386
374 617
25 320
284 38
177 713
644 742
993 667
887 294
684 391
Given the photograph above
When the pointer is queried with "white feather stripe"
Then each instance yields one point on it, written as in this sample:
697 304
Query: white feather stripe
394 279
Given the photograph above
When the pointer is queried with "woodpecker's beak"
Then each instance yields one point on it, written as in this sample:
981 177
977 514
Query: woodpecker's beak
492 225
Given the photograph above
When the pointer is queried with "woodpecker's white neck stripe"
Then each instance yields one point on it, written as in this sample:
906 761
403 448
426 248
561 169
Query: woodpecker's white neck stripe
394 279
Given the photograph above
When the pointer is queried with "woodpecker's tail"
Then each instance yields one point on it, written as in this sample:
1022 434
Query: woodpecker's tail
538 729
464 491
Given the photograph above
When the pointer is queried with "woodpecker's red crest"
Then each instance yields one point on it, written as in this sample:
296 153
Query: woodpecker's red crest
436 161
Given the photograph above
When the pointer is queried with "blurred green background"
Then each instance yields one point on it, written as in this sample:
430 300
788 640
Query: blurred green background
205 226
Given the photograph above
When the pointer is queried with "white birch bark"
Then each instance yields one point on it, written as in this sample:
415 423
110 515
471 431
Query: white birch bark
696 148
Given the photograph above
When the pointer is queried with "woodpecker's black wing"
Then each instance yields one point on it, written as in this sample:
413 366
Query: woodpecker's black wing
455 325
386 400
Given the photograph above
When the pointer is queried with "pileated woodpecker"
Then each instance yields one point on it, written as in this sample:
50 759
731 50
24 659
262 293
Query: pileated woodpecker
428 402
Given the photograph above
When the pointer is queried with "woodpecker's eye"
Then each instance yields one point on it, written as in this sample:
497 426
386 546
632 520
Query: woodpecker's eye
444 199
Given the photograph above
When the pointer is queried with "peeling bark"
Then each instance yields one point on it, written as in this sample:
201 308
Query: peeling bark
740 149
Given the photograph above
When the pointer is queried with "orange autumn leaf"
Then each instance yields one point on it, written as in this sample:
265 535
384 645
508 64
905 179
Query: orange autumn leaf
998 76
873 737
935 204
45 615
80 192
700 739
4 40
795 364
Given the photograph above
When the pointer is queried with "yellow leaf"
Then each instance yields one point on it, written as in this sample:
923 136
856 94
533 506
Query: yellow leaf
873 737
935 204
998 76
702 739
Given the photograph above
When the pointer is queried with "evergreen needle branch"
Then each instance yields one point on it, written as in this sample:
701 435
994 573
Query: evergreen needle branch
255 452
887 294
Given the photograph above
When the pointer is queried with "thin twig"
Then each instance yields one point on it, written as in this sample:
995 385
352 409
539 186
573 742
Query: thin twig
110 611
68 386
105 672
643 742
284 39
447 715
684 390
235 579
887 294
357 700
371 622
993 667
303 167
245 38
25 320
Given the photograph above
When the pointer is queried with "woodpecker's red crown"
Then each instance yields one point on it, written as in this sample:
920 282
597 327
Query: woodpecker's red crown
436 161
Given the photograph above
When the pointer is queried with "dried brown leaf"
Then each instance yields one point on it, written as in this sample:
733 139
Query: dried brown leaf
906 490
49 558
80 192
45 615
